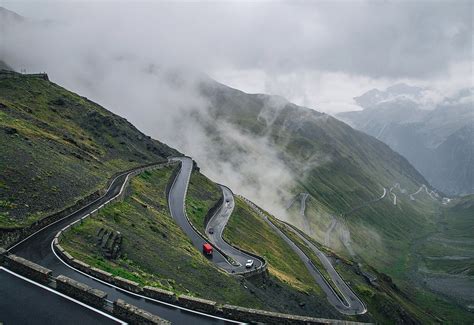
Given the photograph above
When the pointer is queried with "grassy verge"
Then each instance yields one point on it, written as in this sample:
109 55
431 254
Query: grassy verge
283 263
202 195
307 250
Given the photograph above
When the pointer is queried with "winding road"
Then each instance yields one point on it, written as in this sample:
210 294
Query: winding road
176 200
349 303
217 223
430 193
38 249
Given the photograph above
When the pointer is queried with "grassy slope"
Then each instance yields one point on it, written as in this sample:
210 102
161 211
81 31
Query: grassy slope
202 195
155 250
443 261
248 231
386 303
58 147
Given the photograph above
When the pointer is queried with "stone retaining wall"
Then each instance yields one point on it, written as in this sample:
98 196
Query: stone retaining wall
261 316
3 254
135 315
194 303
127 284
80 291
212 211
160 294
28 269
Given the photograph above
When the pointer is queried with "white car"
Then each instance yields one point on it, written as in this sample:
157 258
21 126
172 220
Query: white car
249 264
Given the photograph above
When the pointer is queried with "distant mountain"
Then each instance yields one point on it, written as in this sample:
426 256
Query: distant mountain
439 141
339 167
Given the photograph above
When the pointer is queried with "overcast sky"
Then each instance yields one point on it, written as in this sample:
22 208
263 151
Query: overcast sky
317 54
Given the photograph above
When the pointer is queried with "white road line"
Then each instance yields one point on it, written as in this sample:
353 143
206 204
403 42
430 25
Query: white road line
384 193
63 295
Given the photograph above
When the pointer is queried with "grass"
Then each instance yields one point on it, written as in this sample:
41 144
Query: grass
306 249
58 147
283 263
442 263
202 195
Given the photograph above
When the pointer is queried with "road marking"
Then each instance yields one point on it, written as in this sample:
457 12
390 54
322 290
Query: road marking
63 295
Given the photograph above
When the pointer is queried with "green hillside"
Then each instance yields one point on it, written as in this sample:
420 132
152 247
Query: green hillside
341 169
445 262
58 147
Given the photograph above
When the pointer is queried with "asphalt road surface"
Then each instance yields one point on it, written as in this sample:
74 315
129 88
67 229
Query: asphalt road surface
38 249
176 201
24 302
218 222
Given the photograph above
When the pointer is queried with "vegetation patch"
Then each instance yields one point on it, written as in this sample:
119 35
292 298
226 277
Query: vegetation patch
202 195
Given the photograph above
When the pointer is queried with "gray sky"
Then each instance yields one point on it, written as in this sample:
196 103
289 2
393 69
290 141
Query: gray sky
315 53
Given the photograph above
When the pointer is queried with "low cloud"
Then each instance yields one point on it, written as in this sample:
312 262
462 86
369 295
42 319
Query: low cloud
124 57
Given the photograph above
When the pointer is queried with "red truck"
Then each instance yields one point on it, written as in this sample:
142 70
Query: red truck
207 249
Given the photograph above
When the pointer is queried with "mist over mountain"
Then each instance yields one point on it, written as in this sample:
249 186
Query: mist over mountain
434 134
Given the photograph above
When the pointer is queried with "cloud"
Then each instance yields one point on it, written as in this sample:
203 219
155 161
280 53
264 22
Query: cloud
318 55
389 39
